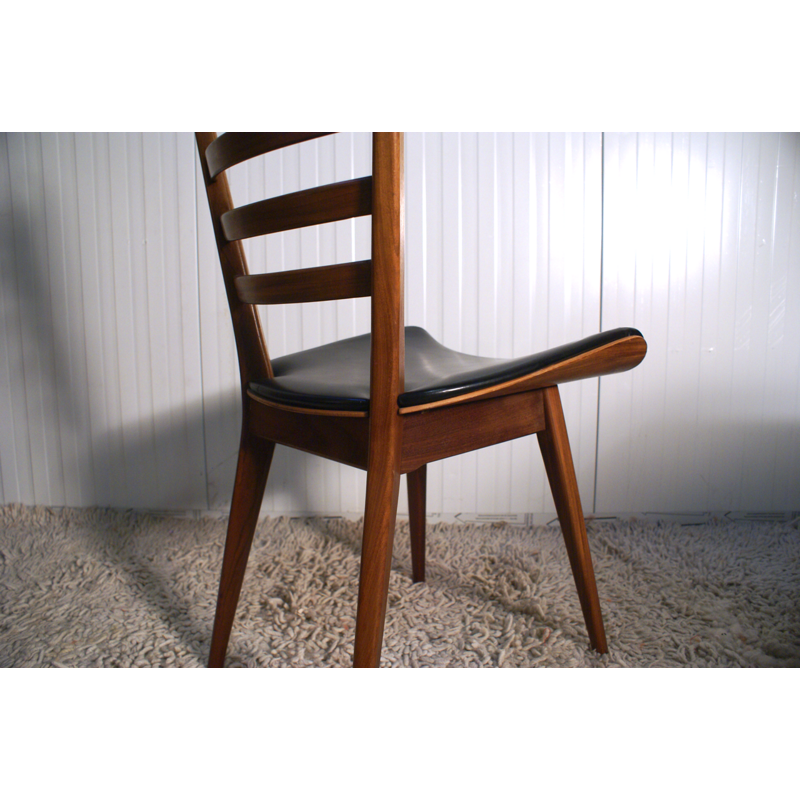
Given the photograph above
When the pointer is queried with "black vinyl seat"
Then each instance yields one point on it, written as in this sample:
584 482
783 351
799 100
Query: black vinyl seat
335 377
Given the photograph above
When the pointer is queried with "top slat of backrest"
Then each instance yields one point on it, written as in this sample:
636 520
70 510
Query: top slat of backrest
230 149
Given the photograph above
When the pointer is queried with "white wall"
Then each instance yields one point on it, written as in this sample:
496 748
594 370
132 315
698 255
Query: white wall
117 374
702 253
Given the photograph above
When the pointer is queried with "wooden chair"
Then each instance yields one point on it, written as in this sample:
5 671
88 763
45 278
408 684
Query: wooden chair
389 402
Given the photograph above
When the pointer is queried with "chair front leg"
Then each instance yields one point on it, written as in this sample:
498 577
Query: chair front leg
383 484
557 456
255 457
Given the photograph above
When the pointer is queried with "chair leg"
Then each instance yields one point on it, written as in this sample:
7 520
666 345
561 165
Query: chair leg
557 456
255 457
383 486
417 482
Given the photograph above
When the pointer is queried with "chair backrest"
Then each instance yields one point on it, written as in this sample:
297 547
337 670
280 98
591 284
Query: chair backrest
380 278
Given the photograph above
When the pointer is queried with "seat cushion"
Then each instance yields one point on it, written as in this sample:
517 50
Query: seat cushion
335 377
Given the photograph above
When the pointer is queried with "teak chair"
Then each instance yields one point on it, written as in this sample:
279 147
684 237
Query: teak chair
388 402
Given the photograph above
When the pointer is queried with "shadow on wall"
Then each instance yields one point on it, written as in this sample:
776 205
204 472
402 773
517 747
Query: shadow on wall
158 462
67 438
171 466
44 418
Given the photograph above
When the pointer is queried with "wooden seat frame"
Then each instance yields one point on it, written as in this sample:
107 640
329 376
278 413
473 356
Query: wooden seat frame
387 442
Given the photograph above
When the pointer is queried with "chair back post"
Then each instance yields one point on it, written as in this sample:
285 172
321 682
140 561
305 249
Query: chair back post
254 363
387 379
387 368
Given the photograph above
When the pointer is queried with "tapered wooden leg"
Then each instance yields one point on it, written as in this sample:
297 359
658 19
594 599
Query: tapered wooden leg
554 444
417 482
255 457
376 560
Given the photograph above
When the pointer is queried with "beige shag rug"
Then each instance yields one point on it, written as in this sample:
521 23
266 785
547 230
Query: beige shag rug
81 588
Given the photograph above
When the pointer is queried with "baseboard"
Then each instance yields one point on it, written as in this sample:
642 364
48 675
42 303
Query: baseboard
525 519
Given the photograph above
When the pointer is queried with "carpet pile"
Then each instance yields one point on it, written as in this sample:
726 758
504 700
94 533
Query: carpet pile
101 588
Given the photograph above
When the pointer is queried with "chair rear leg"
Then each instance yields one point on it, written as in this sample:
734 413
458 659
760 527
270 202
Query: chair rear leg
417 482
557 456
255 457
383 486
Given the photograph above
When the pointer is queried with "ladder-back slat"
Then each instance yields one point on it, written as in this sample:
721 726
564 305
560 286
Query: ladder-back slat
331 203
232 148
335 282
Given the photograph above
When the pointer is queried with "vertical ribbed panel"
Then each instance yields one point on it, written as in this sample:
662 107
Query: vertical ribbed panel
101 367
701 252
118 375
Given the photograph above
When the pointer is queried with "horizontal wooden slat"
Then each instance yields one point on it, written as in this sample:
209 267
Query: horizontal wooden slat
334 282
316 206
232 148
